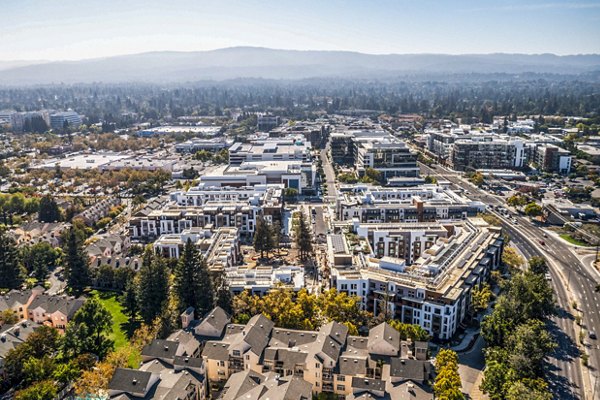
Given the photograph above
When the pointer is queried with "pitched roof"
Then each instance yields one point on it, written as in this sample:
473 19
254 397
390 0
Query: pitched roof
217 319
216 350
51 304
161 349
383 333
408 369
132 381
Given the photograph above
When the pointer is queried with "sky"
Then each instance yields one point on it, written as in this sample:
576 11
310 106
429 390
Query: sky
81 29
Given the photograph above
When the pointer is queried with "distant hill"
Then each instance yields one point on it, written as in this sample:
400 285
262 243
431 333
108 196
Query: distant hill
255 62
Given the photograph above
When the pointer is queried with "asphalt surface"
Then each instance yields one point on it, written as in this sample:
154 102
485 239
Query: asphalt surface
569 275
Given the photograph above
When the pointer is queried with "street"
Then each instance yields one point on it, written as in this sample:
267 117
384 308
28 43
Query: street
569 277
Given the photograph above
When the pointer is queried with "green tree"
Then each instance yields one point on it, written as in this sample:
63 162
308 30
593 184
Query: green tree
477 179
44 390
494 380
410 331
153 288
303 238
511 258
43 341
88 331
516 200
192 285
480 297
263 237
40 258
49 211
533 209
223 296
530 389
529 345
447 383
130 300
76 263
430 179
537 265
11 274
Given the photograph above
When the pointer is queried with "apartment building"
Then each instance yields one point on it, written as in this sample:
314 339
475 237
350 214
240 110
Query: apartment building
266 122
488 152
431 286
220 247
427 202
551 158
328 360
213 207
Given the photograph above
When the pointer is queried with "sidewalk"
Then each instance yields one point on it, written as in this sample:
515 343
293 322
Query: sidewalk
467 341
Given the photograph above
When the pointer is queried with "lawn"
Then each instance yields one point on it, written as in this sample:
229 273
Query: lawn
110 301
572 240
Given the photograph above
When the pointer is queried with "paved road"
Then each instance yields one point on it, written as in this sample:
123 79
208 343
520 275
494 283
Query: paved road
329 173
565 370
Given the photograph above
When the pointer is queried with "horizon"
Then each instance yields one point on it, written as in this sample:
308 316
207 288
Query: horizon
73 31
299 50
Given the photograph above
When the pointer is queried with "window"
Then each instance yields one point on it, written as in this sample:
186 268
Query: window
340 387
221 363
341 378
248 357
317 365
236 353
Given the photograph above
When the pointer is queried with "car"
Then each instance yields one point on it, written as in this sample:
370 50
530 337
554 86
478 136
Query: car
542 243
545 235
547 276
592 335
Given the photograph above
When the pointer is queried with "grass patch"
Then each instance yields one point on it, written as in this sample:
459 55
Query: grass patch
572 240
111 303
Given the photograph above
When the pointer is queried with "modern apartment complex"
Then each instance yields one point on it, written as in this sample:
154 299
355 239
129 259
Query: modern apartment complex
66 118
417 273
427 202
210 207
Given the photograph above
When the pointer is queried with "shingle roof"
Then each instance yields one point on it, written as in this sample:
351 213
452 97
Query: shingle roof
383 333
130 380
408 369
161 349
214 350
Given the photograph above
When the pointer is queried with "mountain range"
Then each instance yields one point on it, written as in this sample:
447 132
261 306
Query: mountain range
257 62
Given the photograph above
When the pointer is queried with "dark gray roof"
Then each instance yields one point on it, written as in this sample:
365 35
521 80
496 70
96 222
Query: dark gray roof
408 369
216 351
352 366
188 362
384 333
50 304
368 384
217 319
240 383
291 338
257 333
160 349
130 380
337 331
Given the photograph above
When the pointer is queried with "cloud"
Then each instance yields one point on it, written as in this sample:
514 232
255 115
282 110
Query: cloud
541 6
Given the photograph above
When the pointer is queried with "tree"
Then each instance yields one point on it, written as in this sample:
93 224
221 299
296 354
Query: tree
88 331
44 390
477 179
447 381
192 285
537 265
153 288
530 389
413 331
303 238
40 258
533 210
130 301
76 263
511 258
43 341
49 211
516 200
480 297
11 275
529 345
223 296
430 179
263 237
291 194
494 380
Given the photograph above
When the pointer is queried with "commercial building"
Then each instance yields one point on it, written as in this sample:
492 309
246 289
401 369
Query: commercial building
427 202
197 144
265 122
66 118
423 277
273 149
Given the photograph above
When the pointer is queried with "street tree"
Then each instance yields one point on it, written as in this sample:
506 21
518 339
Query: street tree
533 209
303 238
263 237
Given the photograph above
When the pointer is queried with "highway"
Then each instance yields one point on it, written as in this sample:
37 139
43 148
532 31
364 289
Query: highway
571 280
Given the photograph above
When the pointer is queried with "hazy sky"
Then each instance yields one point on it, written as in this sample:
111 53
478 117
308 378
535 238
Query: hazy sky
76 29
